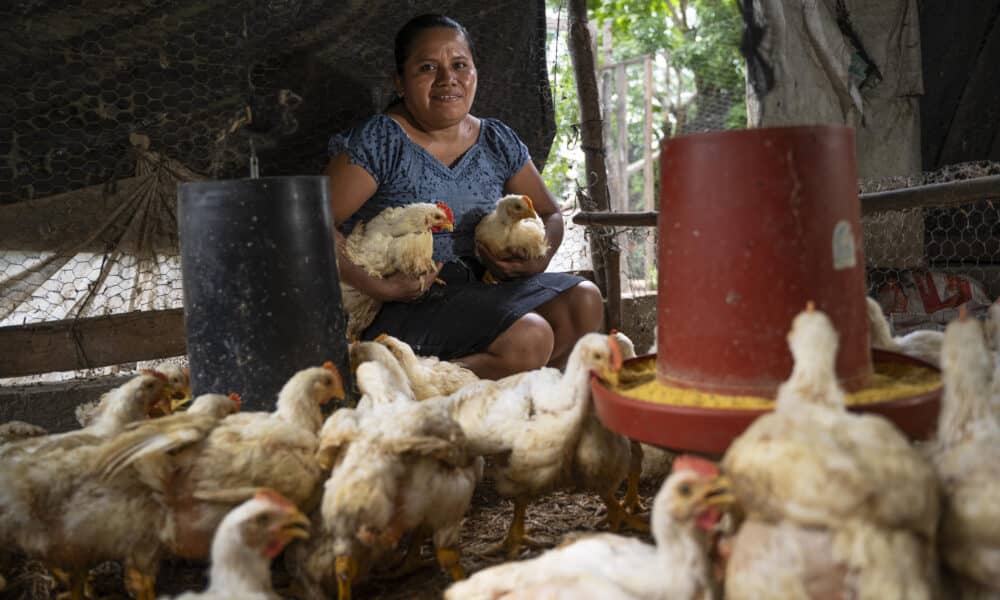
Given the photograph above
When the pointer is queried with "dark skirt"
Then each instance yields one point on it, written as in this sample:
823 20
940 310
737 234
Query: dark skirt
466 315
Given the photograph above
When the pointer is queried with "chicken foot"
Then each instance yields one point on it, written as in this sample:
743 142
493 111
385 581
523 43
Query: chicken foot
617 515
516 537
140 585
448 560
76 581
411 561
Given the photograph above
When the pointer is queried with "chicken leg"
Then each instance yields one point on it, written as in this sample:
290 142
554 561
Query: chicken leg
511 545
76 581
411 561
618 516
346 569
631 502
140 585
448 560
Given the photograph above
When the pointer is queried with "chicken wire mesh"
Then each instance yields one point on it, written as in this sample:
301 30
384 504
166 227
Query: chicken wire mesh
105 107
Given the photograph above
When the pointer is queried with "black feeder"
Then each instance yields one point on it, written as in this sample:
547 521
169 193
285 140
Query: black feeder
261 291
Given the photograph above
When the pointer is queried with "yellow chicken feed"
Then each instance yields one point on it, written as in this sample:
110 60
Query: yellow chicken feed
891 381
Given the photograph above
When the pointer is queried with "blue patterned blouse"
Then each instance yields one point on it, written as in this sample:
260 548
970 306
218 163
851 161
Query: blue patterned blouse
406 173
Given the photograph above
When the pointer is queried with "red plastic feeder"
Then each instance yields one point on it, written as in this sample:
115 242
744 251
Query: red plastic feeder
752 225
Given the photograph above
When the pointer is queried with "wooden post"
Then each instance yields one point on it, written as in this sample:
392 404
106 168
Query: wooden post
620 202
648 184
607 81
595 195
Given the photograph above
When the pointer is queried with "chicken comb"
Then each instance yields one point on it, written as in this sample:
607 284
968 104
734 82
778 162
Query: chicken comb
237 400
696 464
158 374
274 497
447 211
381 337
531 205
616 352
810 306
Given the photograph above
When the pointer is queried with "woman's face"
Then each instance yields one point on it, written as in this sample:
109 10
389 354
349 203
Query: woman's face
438 83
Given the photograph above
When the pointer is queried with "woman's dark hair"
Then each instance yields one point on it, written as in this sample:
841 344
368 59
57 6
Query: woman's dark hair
415 26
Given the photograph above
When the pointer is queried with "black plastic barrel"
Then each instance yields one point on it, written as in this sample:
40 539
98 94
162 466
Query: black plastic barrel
261 291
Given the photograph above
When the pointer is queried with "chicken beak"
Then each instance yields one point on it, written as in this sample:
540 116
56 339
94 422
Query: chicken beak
531 207
179 399
295 526
346 568
447 226
338 383
718 493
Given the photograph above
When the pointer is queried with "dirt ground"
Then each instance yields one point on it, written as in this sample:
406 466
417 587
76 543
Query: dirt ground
549 520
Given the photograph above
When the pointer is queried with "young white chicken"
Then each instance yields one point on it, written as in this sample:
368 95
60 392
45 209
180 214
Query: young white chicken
512 230
428 375
966 455
398 467
531 423
604 459
201 475
41 479
397 240
247 539
836 503
14 431
924 344
128 403
676 568
178 392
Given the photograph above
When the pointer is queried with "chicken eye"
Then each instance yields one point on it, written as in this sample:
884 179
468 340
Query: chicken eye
684 489
263 520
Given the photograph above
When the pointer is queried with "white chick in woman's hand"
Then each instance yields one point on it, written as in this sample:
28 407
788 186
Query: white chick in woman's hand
512 230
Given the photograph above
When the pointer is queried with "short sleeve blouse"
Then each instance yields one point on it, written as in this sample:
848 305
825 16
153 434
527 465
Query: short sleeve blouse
406 173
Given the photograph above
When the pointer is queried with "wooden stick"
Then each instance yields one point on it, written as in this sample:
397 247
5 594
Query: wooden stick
74 344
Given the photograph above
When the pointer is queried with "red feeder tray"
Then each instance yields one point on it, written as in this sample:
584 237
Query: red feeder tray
710 430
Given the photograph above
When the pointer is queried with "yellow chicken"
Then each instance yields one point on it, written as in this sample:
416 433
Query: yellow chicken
512 230
428 375
397 240
247 539
838 505
966 455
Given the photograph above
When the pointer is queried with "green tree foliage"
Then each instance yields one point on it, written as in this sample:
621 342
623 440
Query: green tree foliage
699 40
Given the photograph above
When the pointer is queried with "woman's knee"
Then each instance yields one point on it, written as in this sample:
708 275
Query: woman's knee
527 344
587 306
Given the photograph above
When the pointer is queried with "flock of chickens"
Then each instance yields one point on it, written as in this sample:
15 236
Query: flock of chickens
812 501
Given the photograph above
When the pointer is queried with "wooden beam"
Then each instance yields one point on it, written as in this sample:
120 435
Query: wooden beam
648 184
609 219
75 344
952 193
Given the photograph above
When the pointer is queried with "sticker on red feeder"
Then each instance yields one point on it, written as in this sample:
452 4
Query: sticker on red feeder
844 255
